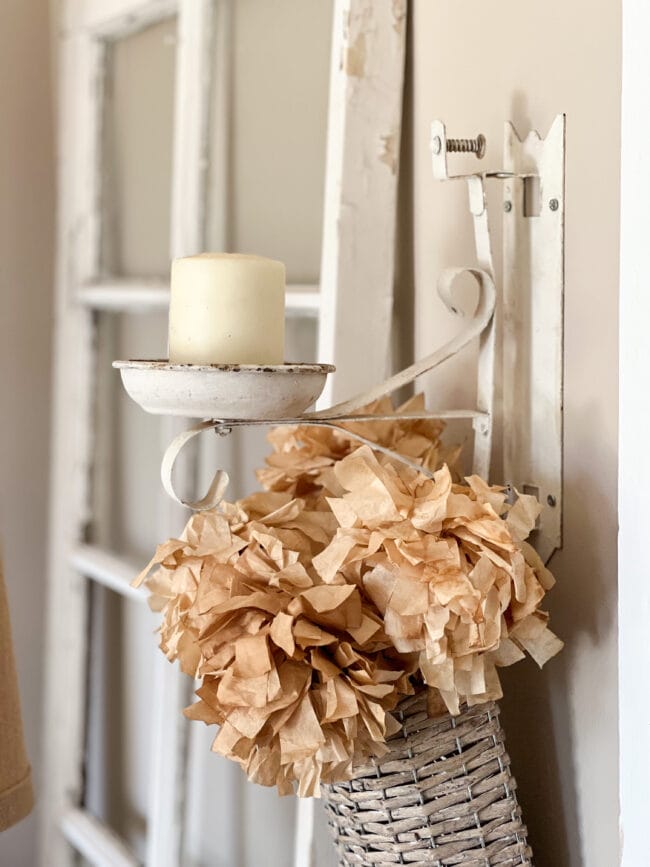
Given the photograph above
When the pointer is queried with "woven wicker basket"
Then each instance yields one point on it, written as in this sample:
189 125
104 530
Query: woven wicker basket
443 795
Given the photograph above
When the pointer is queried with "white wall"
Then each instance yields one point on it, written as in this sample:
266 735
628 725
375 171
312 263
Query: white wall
634 421
26 248
475 64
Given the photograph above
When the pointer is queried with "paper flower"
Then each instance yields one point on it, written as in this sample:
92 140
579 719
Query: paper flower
447 567
309 609
293 670
304 456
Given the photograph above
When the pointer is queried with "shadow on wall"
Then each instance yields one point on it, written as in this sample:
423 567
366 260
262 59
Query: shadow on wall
536 705
545 782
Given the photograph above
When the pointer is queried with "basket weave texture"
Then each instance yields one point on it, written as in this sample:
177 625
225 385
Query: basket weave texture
443 795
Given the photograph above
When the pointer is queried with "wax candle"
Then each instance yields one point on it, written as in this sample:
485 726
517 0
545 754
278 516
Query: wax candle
226 308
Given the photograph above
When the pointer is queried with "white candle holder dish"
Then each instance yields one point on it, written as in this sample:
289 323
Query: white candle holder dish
224 391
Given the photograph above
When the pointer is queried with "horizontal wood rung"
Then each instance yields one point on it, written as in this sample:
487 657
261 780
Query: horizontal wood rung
141 296
107 569
303 300
119 19
129 296
99 845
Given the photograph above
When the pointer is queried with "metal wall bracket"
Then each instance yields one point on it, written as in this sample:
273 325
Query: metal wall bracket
530 305
533 322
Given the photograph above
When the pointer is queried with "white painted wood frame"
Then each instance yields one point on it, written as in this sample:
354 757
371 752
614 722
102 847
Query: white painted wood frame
364 130
171 689
360 222
634 455
357 277
78 261
86 27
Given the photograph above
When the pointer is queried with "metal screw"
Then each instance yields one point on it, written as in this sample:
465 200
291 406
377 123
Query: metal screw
467 146
436 145
507 207
223 430
551 501
554 204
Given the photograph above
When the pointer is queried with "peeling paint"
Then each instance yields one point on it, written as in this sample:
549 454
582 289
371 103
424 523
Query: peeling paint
345 24
399 16
354 61
390 150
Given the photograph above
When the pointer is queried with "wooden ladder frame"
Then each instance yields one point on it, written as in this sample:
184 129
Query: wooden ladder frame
357 277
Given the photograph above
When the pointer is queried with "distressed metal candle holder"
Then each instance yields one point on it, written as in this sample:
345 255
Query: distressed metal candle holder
263 394
230 396
444 794
242 391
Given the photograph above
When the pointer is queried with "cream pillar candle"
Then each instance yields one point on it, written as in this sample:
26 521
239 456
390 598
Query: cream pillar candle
228 309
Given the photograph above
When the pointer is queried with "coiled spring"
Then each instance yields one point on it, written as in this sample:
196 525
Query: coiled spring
467 146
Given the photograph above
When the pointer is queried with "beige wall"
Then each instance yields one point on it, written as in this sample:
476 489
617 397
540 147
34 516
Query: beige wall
279 79
475 64
26 247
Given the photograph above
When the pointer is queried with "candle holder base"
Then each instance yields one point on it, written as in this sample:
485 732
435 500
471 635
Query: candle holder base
238 391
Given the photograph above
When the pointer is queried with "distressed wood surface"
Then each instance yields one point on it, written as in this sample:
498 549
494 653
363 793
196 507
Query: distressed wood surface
81 62
113 19
365 116
360 213
82 51
359 232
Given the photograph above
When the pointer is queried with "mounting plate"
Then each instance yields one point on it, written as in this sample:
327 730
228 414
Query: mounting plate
533 300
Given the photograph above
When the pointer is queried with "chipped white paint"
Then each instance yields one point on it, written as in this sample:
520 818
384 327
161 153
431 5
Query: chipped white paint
245 391
365 117
533 298
78 260
112 19
258 393
359 230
